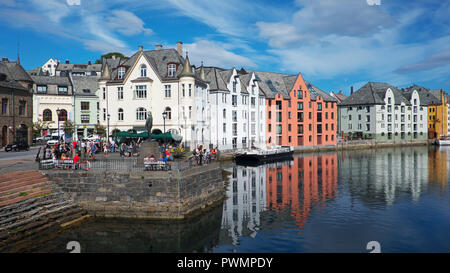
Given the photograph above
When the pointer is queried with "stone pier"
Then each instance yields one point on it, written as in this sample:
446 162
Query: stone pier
146 194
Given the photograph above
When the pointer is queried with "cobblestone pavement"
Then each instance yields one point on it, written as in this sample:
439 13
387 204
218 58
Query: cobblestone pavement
7 166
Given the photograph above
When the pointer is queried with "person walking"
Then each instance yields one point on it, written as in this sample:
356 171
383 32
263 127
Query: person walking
105 149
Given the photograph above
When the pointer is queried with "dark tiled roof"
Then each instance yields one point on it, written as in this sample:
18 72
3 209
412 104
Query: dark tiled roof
425 96
14 73
51 80
79 67
315 91
83 84
373 93
213 76
341 96
273 83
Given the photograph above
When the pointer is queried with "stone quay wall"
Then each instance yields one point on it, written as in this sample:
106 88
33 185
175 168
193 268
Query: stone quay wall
146 194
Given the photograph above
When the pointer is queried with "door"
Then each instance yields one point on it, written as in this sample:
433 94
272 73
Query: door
4 136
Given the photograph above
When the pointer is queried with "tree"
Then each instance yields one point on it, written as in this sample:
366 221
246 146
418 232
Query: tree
109 55
68 127
99 129
38 127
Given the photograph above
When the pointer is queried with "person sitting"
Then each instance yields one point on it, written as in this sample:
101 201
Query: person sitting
160 157
152 158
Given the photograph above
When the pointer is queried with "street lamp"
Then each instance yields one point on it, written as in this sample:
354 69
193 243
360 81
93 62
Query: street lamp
58 112
164 114
107 133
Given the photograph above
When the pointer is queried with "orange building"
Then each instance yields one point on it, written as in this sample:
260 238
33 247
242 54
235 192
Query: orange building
297 112
298 187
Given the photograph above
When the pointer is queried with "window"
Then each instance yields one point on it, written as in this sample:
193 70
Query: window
368 127
234 116
63 115
368 118
368 109
279 129
84 106
167 89
224 127
319 117
234 86
349 117
4 106
47 115
224 113
143 70
253 102
389 100
270 114
169 113
172 68
319 106
121 72
62 90
22 107
104 93
299 105
141 91
190 111
278 105
120 93
300 129
120 114
104 114
42 89
141 113
190 90
85 118
299 116
279 117
300 94
234 100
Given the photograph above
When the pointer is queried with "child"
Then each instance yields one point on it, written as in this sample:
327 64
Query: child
76 161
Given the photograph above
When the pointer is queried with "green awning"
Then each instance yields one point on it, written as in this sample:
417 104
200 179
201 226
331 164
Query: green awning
166 136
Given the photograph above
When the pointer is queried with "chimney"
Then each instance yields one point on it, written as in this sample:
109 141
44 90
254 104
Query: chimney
89 62
141 48
158 47
180 48
351 90
67 61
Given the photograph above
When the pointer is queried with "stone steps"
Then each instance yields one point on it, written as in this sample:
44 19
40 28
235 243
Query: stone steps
22 198
6 179
23 183
23 190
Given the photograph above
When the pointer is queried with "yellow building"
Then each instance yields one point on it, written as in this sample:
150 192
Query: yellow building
437 115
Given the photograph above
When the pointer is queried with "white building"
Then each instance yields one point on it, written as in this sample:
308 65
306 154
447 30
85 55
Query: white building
50 67
155 81
49 95
381 112
237 109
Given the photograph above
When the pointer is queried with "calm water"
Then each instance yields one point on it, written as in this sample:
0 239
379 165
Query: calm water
332 202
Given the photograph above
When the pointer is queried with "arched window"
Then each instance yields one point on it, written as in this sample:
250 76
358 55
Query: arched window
143 70
63 115
121 72
47 115
141 113
120 117
169 113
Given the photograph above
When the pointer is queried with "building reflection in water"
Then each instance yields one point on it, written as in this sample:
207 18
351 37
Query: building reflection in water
301 184
377 177
437 166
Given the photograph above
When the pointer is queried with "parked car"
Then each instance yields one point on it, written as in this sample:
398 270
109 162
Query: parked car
17 147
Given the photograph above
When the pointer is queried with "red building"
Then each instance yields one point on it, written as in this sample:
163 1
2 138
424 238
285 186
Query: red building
298 187
297 112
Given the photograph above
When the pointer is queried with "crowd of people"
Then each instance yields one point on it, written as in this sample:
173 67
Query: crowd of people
204 156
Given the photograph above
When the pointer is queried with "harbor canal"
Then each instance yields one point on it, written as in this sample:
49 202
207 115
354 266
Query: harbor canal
322 202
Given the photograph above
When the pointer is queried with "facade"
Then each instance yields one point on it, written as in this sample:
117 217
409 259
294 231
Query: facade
237 109
16 104
297 112
438 115
85 89
49 95
381 112
339 97
50 67
155 81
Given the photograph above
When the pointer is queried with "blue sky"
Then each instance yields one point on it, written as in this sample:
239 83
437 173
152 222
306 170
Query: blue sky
334 44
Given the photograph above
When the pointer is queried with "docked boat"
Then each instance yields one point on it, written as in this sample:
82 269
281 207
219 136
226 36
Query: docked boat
262 156
443 141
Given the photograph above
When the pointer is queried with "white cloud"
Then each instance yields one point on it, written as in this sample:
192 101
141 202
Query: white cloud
126 23
213 54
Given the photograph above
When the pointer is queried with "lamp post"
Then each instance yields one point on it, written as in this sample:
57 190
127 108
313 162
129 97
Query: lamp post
107 132
164 114
58 112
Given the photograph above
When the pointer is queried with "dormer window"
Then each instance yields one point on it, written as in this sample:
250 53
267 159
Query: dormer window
143 70
121 72
171 69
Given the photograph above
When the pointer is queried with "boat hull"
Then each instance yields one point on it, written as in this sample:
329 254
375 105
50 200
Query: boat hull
255 159
441 142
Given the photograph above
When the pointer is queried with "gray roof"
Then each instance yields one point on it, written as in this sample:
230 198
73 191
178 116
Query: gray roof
373 93
85 86
437 94
315 91
272 83
215 79
14 73
79 67
51 80
425 96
